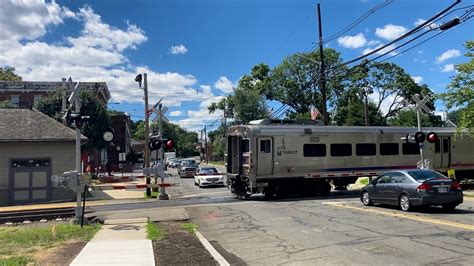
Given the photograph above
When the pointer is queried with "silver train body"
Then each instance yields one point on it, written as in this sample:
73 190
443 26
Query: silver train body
269 158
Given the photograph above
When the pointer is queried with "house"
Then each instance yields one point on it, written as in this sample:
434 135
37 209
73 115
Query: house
25 94
34 148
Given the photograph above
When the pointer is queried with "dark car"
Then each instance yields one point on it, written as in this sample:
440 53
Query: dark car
188 168
411 188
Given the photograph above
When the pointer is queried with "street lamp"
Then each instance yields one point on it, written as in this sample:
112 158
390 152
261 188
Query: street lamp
138 79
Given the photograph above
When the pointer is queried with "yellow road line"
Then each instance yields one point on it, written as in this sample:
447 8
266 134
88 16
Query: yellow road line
407 216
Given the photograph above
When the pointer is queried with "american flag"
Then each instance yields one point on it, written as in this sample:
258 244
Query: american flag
314 112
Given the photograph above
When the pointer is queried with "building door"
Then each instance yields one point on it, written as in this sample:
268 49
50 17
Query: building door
265 156
30 181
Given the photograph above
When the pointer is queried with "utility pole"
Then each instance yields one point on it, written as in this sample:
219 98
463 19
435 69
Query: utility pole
163 195
205 143
147 130
366 107
322 77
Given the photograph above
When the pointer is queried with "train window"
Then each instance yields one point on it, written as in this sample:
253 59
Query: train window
265 146
365 149
314 150
389 149
410 148
338 150
445 146
437 146
245 145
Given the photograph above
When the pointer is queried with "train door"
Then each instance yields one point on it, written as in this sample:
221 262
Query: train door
233 154
442 153
265 156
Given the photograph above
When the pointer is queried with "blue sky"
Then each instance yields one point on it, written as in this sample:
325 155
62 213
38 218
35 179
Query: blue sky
196 51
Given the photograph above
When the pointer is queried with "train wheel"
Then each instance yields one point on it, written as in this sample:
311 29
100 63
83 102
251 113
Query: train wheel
323 188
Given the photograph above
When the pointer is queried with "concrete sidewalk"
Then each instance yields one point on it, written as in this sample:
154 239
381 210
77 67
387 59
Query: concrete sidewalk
119 242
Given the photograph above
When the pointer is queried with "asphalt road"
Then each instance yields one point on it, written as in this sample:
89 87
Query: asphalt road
336 229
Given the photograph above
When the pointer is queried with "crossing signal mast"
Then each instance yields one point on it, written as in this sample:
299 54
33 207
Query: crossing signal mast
419 137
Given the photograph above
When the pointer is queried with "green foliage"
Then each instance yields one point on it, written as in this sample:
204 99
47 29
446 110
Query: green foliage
6 104
189 226
246 103
461 91
184 140
98 123
114 112
8 74
132 156
217 138
15 261
154 232
352 114
295 81
407 118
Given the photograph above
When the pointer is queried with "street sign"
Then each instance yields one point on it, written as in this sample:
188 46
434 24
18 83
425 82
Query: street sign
122 156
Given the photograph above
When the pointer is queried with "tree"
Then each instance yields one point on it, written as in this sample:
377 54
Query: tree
217 138
352 114
407 118
8 74
295 81
246 103
99 120
461 91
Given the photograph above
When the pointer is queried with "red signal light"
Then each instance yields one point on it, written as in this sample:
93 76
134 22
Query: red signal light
432 137
169 144
420 137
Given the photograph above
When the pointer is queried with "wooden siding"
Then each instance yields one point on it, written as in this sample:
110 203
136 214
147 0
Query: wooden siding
62 156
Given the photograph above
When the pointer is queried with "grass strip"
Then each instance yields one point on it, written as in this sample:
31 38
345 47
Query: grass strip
154 232
189 226
19 240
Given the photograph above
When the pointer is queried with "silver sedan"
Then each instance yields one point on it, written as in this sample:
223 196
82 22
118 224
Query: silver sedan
411 188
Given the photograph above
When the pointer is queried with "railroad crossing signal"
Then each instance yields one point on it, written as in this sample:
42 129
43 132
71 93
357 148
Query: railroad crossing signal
420 103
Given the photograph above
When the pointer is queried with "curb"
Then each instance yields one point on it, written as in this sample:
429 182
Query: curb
214 253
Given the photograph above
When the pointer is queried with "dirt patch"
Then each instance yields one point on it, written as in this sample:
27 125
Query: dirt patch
59 255
180 247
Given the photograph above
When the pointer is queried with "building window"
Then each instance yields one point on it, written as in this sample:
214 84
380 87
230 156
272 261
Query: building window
265 146
314 150
338 150
15 100
37 98
410 148
389 149
365 149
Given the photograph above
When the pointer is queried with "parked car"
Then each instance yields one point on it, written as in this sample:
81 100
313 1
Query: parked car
208 176
411 188
188 168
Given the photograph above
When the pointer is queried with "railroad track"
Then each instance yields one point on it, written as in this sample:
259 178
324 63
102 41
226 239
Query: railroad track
36 215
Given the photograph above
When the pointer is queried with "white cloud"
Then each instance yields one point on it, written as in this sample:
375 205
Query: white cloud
178 49
420 21
224 84
29 19
353 42
176 113
448 68
384 50
390 32
373 42
417 79
448 55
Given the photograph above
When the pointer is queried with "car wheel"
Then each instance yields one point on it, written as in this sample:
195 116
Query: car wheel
200 184
404 203
449 207
366 199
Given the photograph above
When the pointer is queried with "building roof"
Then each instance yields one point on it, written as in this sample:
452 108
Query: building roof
32 125
51 86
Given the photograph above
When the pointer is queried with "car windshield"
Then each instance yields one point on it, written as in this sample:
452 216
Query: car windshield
422 175
210 170
189 162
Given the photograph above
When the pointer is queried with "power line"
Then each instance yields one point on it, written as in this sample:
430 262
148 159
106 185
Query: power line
415 30
359 20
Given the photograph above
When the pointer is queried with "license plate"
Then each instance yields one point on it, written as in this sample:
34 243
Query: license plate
442 190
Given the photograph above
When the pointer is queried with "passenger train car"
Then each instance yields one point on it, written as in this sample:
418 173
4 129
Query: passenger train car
276 158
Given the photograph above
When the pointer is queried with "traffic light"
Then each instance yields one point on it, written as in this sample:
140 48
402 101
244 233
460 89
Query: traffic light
420 137
432 137
168 144
154 144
